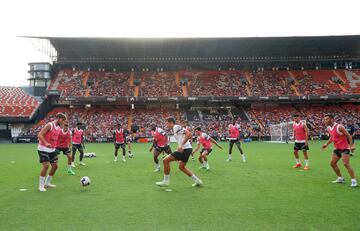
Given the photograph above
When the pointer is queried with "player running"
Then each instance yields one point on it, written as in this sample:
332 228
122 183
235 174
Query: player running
48 137
160 145
182 154
205 140
189 128
234 138
78 144
64 145
301 134
341 139
120 135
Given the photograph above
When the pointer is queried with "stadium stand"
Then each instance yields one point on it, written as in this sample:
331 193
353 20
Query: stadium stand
15 102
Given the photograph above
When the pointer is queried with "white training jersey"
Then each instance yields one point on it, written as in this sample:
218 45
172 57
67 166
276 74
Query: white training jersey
179 134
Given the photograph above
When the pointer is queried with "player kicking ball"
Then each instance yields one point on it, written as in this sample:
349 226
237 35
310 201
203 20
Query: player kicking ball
301 134
341 139
160 145
64 145
48 137
182 154
205 140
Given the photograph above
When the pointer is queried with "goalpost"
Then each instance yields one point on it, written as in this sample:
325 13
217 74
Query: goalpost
282 132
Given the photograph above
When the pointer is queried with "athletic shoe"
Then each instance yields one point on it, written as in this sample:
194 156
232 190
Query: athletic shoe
82 163
50 186
228 160
162 183
197 183
42 189
73 164
70 172
339 180
157 170
115 160
123 159
306 167
208 167
131 155
202 167
244 159
297 166
354 184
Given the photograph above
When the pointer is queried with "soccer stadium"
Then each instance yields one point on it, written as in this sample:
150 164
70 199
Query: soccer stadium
183 133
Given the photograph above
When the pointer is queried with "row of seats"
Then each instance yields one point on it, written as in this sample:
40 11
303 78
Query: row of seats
208 83
15 102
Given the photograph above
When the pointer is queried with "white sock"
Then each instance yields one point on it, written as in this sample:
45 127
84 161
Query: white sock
297 161
353 180
243 156
42 181
306 162
48 180
166 178
157 165
195 178
205 163
69 167
229 156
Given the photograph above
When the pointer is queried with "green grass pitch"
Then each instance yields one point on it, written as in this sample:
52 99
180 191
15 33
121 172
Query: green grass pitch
265 193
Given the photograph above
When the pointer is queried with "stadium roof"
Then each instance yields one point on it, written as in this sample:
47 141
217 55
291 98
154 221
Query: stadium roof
127 50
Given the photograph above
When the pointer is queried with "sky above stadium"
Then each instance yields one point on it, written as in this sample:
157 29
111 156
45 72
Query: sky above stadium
162 18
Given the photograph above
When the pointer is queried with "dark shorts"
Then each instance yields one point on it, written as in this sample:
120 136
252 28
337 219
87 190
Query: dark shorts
234 141
339 152
65 151
207 150
129 140
165 149
77 147
51 157
117 145
300 146
182 156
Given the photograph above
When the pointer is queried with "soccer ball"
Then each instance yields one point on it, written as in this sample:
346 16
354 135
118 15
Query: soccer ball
85 181
131 155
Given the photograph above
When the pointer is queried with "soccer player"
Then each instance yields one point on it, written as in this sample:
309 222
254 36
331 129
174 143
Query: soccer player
351 130
160 145
205 140
48 137
129 139
64 144
234 138
119 142
188 128
78 144
301 134
341 139
182 153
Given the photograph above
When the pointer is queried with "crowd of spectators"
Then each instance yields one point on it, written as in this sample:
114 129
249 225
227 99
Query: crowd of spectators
205 83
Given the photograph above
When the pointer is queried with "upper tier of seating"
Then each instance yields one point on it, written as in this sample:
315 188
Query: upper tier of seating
208 83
